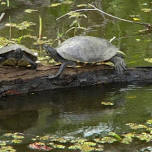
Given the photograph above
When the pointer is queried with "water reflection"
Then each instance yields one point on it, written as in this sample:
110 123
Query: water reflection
65 109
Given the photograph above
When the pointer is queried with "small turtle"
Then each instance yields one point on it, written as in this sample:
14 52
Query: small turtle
85 49
17 55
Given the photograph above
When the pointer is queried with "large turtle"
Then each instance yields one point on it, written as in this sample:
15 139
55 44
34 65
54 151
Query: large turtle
85 49
17 55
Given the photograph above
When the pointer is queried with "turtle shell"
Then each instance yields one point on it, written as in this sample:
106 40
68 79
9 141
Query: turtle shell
13 47
87 49
10 60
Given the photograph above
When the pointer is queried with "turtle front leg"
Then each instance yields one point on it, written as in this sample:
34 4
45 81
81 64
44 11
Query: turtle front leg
32 63
61 69
119 64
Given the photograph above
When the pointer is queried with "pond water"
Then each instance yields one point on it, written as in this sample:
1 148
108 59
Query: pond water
79 112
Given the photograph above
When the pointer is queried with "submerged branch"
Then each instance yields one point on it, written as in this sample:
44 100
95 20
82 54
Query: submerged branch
121 19
79 10
148 25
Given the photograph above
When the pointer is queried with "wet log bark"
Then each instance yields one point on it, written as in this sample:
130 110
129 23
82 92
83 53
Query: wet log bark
20 80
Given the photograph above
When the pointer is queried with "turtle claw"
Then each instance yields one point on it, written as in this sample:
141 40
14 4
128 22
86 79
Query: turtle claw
51 77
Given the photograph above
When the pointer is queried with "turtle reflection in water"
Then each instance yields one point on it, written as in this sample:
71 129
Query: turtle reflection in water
85 49
17 55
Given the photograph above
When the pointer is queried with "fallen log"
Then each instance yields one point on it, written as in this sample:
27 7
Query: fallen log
20 80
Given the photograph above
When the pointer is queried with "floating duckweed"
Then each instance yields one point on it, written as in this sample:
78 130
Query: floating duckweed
61 140
2 143
127 138
74 147
16 141
105 140
97 140
81 140
144 137
59 146
7 149
108 140
135 126
115 135
45 138
90 143
8 134
18 136
86 148
149 122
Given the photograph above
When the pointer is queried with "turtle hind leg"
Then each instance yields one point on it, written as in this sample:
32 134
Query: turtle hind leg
119 64
61 69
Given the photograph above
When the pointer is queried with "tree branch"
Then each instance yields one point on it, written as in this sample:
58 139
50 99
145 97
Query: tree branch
2 16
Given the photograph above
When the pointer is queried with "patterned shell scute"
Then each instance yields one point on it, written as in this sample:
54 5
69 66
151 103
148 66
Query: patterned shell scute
87 49
13 47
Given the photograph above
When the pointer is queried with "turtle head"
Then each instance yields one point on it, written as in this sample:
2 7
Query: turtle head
46 47
18 53
50 50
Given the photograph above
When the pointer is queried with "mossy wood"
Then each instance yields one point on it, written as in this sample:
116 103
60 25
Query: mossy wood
20 80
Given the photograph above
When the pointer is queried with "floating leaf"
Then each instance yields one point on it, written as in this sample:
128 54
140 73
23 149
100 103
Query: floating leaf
100 148
55 4
149 122
144 137
7 149
18 136
136 126
45 138
82 5
59 146
74 147
22 26
80 140
107 103
39 146
16 141
105 140
146 10
138 40
10 24
30 11
2 143
136 19
115 135
67 2
8 134
127 138
86 148
90 143
148 60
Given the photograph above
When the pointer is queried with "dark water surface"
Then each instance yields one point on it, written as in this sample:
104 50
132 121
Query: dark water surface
79 112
